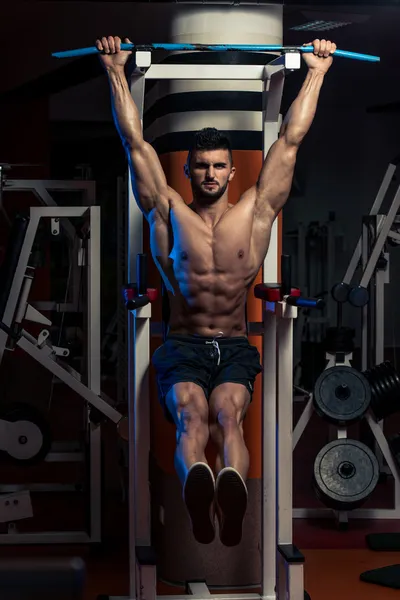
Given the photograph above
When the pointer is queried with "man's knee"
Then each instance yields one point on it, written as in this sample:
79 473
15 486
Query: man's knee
229 420
190 408
230 401
226 425
228 408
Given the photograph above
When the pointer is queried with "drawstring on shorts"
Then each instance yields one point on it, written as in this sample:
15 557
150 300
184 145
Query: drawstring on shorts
215 345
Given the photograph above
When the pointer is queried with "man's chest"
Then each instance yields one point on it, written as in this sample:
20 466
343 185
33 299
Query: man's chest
225 248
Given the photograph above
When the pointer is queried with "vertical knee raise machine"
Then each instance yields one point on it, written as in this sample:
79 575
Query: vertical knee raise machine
282 563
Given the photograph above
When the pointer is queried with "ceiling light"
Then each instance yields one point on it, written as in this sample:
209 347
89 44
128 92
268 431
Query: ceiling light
320 25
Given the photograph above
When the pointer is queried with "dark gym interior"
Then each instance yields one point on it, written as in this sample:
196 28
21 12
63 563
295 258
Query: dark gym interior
69 499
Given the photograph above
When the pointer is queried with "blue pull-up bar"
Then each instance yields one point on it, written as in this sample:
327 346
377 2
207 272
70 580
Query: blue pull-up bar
215 48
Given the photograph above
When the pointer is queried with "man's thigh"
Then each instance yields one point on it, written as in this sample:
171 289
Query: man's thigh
233 384
182 376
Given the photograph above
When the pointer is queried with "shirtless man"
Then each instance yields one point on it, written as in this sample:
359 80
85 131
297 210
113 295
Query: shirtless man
208 254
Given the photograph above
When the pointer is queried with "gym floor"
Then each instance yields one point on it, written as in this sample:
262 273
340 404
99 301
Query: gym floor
334 559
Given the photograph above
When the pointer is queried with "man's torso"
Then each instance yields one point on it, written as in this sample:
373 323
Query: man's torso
208 271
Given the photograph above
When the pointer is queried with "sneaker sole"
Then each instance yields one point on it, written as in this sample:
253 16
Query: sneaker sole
199 496
231 496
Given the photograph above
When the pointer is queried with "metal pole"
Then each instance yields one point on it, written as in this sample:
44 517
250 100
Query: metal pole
269 461
94 365
137 489
387 179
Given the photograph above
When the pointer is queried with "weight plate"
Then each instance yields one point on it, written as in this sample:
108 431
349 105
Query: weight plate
382 380
396 377
378 390
385 390
388 382
24 440
345 474
341 395
28 436
392 381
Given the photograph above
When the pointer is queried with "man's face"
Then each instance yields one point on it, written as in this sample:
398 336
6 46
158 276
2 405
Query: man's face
210 173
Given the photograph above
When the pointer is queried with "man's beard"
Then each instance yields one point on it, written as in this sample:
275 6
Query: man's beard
211 194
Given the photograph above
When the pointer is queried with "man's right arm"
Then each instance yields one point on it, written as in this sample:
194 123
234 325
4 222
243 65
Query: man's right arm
149 177
151 185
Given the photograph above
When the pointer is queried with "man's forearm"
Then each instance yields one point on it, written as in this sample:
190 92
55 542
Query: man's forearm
301 114
125 112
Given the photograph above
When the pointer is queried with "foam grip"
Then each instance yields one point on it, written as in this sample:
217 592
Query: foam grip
274 293
305 302
152 294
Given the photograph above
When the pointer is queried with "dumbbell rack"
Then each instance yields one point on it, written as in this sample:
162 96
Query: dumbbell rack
375 264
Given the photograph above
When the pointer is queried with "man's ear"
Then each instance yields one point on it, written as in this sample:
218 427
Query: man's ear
232 174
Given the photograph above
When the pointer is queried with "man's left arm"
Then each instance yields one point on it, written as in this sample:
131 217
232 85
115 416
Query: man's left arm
274 183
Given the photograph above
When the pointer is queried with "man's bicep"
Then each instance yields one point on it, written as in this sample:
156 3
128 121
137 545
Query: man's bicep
148 179
276 176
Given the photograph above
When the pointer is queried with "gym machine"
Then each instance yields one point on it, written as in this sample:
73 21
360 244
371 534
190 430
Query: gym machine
347 471
379 231
47 192
23 435
282 563
314 245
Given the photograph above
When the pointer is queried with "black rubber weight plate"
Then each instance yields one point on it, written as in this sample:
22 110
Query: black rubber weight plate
342 395
345 474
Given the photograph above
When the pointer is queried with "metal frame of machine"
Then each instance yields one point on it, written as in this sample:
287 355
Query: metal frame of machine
86 385
42 188
282 563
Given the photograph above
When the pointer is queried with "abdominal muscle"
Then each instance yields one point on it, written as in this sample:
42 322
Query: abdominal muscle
207 273
208 312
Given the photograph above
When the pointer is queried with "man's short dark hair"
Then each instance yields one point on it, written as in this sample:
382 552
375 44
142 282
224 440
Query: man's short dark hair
209 138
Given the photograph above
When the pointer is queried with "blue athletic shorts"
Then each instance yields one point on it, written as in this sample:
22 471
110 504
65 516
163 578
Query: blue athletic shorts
207 362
